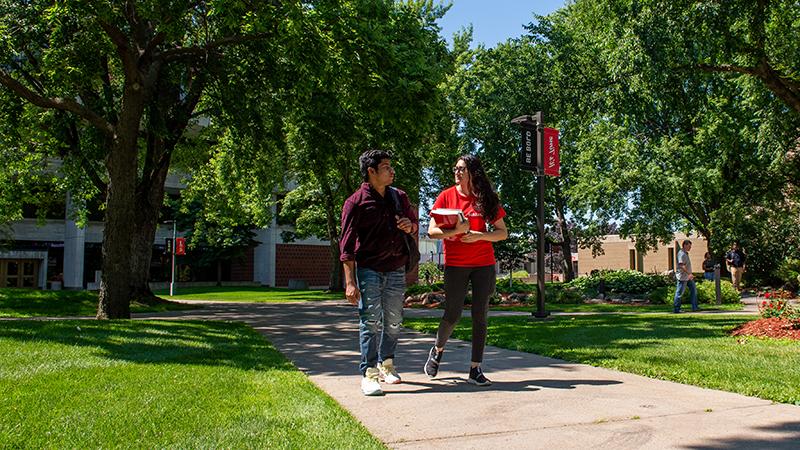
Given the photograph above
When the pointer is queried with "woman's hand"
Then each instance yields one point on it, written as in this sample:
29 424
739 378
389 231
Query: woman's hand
462 226
472 236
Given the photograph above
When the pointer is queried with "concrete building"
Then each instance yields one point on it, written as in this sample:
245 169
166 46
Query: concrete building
621 253
59 254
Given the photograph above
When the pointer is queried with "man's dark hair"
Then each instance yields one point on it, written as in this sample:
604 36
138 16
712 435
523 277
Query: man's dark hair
686 241
371 158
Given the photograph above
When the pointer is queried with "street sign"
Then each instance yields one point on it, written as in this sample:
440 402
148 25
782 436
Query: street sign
552 164
527 159
180 246
168 246
529 148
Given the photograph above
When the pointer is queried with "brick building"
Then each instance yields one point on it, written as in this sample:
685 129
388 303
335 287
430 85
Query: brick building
621 253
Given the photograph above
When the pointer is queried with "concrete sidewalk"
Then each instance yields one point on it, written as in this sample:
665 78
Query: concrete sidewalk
535 402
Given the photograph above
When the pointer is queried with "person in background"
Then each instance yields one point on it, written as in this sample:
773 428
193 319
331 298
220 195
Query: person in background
708 267
735 258
468 257
374 255
684 278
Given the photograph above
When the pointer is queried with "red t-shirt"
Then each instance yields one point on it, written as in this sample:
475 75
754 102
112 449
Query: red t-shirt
462 254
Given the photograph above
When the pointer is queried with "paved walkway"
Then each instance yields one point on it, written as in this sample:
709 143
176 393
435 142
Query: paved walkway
535 402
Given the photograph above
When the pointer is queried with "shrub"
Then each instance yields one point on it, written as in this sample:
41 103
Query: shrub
706 293
565 295
556 293
416 289
789 272
773 308
430 272
778 294
619 281
503 287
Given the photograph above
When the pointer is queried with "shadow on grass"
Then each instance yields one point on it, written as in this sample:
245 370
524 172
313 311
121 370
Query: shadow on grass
37 303
254 294
603 336
155 342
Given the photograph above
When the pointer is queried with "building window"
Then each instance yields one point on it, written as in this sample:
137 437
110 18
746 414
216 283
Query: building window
632 259
671 258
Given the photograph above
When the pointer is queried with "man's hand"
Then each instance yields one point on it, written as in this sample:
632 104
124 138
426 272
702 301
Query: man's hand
691 276
405 225
352 293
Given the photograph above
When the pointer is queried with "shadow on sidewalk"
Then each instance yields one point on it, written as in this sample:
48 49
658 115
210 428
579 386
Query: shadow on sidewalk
789 439
459 385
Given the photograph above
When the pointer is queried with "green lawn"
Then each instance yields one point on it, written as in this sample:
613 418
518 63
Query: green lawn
33 303
691 348
157 384
249 294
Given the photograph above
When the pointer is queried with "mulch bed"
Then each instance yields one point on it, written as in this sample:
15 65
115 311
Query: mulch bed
772 327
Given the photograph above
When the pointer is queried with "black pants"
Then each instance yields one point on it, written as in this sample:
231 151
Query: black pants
456 280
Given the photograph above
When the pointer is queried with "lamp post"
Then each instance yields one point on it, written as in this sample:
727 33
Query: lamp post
172 252
532 159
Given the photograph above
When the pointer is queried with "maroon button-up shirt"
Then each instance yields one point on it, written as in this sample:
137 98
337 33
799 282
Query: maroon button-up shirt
370 236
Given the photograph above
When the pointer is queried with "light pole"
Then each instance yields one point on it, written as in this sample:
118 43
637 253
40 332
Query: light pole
172 251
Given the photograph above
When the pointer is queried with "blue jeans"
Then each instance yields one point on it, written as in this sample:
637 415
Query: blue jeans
380 313
708 276
680 286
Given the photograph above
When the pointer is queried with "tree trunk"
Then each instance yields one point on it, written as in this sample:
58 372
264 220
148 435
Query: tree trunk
116 287
117 280
335 283
149 198
566 236
219 272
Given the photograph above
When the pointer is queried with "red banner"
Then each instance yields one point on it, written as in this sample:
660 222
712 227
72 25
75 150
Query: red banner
180 246
552 164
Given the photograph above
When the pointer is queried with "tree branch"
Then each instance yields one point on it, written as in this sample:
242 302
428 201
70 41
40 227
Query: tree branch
75 149
123 46
727 68
59 103
201 51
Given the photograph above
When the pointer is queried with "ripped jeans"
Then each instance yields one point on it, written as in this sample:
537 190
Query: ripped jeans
380 313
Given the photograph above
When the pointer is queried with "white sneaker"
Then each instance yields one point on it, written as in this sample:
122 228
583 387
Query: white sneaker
369 384
387 374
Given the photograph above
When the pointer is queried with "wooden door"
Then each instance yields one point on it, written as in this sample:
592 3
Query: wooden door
19 273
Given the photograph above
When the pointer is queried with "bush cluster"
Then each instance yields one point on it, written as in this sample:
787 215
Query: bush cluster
416 289
516 286
774 308
706 293
789 272
619 281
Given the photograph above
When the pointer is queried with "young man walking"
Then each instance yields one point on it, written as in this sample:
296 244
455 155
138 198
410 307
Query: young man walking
735 258
374 254
685 278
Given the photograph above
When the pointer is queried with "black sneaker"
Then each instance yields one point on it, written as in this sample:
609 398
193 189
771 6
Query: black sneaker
432 364
476 377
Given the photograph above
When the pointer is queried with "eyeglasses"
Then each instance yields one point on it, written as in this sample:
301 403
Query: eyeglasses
458 169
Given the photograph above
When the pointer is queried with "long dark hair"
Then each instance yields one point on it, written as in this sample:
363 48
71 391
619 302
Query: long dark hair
488 204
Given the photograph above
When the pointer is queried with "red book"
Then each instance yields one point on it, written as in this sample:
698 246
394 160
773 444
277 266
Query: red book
446 217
